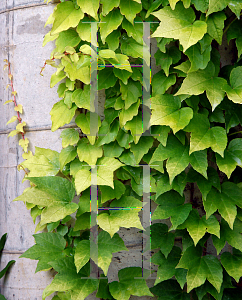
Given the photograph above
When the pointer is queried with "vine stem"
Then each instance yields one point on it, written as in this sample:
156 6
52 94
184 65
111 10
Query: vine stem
14 96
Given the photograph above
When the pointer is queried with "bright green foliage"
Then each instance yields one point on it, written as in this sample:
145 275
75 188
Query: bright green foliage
129 284
201 268
204 80
197 227
129 8
66 16
166 110
215 26
235 91
69 137
225 202
61 114
49 247
232 264
203 137
127 217
47 161
171 204
179 24
106 246
232 157
68 279
53 193
110 22
180 122
89 7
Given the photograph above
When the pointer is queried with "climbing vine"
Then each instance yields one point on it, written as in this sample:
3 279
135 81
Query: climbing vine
192 138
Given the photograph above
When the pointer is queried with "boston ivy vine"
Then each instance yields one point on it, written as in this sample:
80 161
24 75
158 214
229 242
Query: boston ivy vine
194 136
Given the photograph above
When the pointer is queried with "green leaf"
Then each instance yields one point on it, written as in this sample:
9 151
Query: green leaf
67 154
198 59
130 47
67 38
106 247
202 136
179 24
235 91
225 202
61 115
113 40
232 157
136 127
74 73
165 60
166 110
204 185
48 247
87 152
160 83
204 80
90 7
215 5
129 9
68 279
232 236
56 77
129 284
83 221
81 97
232 264
106 78
161 238
66 16
53 193
2 242
45 162
201 5
107 133
201 268
69 136
134 30
199 162
84 122
167 265
114 219
128 114
169 289
3 272
216 25
103 290
163 184
171 205
142 147
107 193
122 74
176 153
197 227
130 92
112 149
107 6
109 23
124 139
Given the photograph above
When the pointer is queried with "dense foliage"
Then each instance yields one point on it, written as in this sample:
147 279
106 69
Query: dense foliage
193 137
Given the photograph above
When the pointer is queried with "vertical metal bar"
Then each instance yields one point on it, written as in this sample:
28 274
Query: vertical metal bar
146 79
94 82
146 257
93 225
